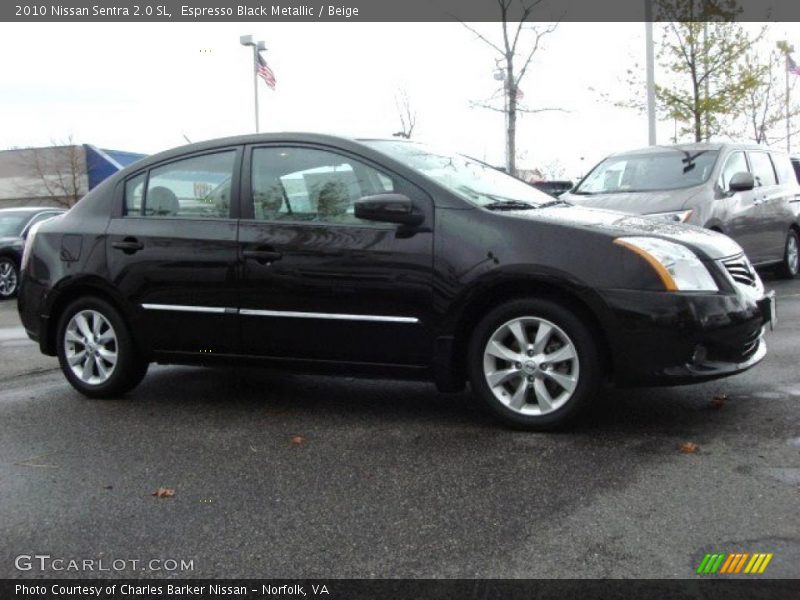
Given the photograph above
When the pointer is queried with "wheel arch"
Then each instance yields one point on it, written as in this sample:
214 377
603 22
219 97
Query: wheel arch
84 288
586 305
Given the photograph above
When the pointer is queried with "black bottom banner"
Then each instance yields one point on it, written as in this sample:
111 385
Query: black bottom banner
393 589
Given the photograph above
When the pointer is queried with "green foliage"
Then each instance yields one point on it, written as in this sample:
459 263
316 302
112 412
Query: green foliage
710 77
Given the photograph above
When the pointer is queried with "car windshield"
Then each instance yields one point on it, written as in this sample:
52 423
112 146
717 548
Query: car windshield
471 179
11 224
668 169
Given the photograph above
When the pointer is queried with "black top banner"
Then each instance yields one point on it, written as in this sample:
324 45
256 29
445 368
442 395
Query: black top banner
399 10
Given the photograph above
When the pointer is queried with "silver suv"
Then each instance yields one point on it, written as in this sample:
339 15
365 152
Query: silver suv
748 192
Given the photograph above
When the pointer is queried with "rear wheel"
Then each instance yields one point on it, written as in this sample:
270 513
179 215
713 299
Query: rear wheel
534 363
790 266
96 351
9 278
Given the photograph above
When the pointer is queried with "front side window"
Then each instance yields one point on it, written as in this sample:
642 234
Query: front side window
193 188
306 184
669 169
735 163
763 171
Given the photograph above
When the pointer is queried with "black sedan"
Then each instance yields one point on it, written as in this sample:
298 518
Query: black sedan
15 223
384 258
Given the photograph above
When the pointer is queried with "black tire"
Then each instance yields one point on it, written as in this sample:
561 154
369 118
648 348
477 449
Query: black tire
790 266
589 372
9 272
130 367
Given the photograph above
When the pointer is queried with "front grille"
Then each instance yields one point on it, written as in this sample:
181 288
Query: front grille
740 270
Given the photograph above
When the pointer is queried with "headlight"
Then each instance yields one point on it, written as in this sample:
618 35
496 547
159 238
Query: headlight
676 265
677 216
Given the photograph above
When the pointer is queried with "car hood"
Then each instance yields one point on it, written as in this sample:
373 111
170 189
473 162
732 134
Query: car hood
616 224
639 203
10 241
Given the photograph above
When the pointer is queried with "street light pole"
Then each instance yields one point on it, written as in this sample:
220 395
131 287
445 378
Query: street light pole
247 40
651 77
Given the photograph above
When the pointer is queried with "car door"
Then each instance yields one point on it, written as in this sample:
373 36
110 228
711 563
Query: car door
771 200
738 211
173 252
317 282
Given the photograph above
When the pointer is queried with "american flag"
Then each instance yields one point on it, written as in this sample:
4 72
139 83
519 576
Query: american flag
791 66
265 72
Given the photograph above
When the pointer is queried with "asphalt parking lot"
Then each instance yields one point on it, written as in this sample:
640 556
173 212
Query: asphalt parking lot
280 475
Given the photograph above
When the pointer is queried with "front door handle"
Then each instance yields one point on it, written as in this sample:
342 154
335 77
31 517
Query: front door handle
262 256
128 245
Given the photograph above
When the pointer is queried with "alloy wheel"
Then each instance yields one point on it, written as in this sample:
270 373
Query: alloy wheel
792 253
8 279
531 366
90 347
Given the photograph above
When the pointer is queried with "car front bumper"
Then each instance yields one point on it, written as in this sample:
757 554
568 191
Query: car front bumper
663 338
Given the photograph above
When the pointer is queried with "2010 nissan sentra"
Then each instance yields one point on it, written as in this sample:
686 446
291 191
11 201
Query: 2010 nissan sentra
386 258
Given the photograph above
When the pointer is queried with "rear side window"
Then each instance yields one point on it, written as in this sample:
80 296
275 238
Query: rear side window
783 166
192 188
735 163
796 165
763 171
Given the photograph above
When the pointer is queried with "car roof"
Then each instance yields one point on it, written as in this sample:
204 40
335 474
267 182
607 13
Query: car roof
696 147
238 140
30 209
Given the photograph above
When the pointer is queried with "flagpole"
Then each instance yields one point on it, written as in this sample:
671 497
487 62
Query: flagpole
247 40
255 83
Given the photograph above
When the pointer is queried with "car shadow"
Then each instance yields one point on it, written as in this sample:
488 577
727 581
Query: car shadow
267 393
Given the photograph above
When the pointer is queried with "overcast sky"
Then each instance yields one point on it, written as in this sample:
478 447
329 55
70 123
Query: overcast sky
142 87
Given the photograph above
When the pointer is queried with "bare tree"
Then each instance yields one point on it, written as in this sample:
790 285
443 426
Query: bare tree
763 110
520 41
408 116
58 173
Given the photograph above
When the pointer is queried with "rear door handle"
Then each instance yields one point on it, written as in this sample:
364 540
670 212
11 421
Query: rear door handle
262 256
128 245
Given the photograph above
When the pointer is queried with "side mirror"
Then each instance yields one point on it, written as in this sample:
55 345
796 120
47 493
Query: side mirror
388 208
741 182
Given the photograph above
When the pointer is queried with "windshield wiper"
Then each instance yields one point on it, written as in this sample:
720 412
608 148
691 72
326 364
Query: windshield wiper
554 203
509 205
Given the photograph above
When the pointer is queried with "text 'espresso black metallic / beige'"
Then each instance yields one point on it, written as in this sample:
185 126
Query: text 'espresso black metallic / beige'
385 258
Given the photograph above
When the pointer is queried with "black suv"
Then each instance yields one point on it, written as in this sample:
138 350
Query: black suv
388 258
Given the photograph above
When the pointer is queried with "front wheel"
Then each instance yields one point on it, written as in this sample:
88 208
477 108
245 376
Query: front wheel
790 266
534 363
9 278
96 351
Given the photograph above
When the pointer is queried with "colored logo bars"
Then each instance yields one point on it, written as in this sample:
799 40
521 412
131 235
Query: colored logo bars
731 564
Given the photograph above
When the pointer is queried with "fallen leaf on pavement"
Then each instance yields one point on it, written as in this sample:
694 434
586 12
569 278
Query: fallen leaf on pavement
689 447
163 493
719 400
297 440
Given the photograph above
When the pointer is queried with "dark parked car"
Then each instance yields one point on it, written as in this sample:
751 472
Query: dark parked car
554 187
15 223
388 258
745 191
